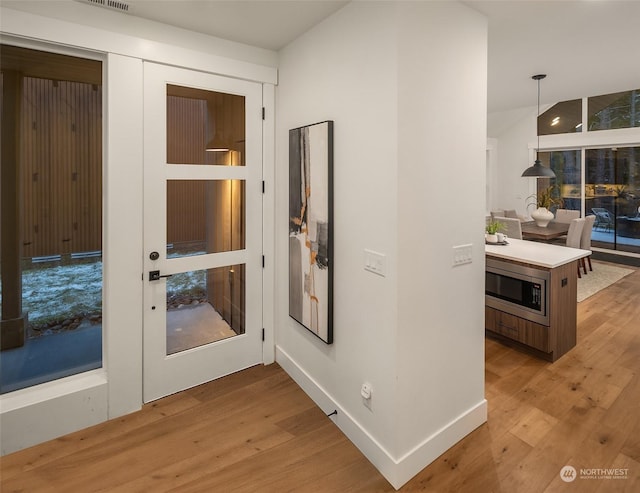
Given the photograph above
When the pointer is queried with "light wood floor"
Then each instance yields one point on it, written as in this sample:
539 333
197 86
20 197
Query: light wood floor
256 431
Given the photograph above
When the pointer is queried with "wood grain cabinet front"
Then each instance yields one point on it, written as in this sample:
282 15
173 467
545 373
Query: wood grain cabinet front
518 329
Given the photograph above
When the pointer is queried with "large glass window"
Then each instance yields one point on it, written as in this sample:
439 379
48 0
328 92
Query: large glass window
605 112
51 205
619 110
562 118
567 166
611 186
612 194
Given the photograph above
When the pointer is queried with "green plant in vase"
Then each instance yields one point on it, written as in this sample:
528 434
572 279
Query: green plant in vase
544 200
492 229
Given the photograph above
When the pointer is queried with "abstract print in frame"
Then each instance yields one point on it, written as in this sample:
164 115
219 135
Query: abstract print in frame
311 228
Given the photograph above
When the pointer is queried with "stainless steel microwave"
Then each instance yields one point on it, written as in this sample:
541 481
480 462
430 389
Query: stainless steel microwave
517 289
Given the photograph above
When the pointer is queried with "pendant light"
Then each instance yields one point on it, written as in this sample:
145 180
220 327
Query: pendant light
538 170
218 144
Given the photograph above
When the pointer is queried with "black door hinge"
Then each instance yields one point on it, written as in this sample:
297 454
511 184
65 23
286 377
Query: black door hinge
262 186
263 261
263 113
263 334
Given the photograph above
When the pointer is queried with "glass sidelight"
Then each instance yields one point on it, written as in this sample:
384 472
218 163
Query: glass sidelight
51 217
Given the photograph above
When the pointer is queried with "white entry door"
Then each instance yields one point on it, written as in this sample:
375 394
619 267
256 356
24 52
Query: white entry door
202 228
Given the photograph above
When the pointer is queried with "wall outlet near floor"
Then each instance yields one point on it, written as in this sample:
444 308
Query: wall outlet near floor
462 254
365 391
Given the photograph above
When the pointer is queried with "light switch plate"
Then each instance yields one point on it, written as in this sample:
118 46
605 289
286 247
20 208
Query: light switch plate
462 254
375 262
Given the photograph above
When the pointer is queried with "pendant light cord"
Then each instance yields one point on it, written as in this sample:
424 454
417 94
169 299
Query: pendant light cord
538 121
538 170
538 77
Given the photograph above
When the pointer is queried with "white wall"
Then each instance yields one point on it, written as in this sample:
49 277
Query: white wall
206 57
441 192
515 133
405 84
129 25
345 70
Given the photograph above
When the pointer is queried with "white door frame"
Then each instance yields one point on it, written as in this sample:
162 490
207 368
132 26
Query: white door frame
83 400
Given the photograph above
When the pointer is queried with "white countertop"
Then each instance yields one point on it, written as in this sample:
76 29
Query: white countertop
536 253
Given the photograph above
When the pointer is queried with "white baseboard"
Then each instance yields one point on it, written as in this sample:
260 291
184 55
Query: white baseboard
439 442
396 470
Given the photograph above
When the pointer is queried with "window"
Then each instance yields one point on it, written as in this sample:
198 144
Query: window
51 230
561 118
611 187
606 112
612 194
619 110
567 166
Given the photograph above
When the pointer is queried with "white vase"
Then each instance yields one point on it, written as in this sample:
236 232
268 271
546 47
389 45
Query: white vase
542 216
491 238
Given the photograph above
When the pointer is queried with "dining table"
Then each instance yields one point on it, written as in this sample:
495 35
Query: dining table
553 230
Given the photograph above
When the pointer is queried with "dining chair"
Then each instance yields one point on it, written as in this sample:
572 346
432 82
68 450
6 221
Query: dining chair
575 234
566 215
497 214
585 240
511 213
513 227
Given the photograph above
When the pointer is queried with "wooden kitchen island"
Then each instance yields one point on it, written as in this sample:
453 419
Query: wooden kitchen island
552 332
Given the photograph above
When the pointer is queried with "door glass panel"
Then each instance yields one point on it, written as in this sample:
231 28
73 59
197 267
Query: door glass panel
205 216
205 306
612 193
205 127
51 207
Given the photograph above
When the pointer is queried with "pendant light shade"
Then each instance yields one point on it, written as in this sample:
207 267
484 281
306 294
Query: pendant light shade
538 170
218 144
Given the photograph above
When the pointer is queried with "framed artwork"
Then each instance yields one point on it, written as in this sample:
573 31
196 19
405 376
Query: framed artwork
311 228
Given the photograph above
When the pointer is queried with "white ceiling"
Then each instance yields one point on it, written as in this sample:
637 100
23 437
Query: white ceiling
270 24
586 47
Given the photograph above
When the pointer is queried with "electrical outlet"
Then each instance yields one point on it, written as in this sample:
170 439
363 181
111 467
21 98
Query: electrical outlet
462 254
365 391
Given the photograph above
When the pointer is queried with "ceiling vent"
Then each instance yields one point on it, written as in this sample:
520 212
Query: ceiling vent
108 4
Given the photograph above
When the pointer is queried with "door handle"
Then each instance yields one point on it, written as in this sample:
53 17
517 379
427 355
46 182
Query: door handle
154 275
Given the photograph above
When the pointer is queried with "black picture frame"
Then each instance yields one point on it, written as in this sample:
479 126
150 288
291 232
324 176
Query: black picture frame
311 228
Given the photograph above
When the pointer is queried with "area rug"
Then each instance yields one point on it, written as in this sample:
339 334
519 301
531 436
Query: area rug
603 275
